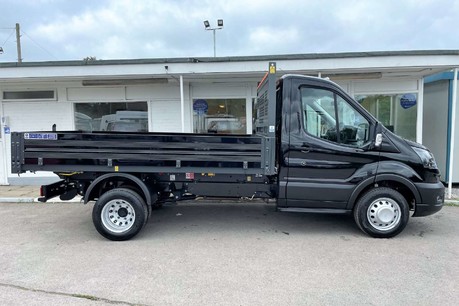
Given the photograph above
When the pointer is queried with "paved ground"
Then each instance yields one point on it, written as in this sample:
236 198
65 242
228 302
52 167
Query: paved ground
227 254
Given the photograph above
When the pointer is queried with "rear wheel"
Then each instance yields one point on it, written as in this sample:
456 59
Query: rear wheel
119 214
381 212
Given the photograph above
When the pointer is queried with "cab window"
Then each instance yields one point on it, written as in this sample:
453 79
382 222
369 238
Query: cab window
328 116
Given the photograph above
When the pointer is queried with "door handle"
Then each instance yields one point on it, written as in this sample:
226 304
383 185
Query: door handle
304 151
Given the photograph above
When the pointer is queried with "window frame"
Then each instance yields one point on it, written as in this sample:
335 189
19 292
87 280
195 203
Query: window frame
246 100
54 98
351 103
149 117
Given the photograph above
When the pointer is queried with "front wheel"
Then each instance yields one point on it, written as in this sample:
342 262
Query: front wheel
119 214
382 212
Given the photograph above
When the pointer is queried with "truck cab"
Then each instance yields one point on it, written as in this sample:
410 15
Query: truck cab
334 156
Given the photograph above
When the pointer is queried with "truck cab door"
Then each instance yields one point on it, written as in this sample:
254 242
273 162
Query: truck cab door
330 147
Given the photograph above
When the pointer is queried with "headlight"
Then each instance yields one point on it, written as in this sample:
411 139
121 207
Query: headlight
426 157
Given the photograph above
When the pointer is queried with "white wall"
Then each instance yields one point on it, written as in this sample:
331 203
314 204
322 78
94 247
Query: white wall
228 90
385 86
35 116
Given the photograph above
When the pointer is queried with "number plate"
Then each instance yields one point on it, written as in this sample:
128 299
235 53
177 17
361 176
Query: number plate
41 136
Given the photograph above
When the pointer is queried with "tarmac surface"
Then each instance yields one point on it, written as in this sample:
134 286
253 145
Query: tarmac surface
226 253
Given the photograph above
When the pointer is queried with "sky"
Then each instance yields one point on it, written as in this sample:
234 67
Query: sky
126 29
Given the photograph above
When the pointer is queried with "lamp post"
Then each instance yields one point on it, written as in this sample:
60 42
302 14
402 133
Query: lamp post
209 28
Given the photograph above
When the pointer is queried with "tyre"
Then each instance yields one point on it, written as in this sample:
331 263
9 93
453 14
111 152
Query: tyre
119 214
138 191
382 212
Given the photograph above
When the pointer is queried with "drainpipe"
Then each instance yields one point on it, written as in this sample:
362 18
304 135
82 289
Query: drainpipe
420 111
182 104
452 136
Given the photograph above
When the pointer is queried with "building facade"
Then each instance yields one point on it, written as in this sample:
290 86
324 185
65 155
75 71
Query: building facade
203 95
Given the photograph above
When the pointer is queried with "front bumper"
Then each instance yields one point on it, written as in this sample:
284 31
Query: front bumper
432 198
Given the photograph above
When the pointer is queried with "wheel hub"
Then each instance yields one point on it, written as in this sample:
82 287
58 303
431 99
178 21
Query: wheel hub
118 216
384 214
122 212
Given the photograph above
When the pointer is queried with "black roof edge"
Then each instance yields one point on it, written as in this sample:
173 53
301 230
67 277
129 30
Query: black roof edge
306 56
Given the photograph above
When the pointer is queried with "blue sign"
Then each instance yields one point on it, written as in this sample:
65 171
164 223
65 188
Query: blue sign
200 106
408 100
7 130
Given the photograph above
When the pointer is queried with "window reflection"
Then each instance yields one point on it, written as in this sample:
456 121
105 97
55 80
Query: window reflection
397 112
115 116
329 117
219 116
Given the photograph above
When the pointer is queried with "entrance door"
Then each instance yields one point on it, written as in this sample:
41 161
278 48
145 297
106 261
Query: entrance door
328 153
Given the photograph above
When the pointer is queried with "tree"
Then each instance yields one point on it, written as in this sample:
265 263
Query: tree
89 59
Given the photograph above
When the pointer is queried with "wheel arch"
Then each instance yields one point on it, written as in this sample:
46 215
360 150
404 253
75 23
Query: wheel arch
399 183
91 192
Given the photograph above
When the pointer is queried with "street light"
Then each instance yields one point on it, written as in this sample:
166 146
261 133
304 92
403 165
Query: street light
219 27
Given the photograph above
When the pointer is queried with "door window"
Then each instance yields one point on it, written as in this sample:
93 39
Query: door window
325 113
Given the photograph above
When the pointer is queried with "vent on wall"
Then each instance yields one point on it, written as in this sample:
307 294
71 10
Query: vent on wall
30 95
113 82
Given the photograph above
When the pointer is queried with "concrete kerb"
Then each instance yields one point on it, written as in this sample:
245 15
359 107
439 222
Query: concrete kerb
452 202
35 200
17 200
79 199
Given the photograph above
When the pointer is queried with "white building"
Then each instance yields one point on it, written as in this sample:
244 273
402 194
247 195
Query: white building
204 94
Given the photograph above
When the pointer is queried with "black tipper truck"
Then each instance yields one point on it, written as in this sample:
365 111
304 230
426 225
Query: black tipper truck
314 149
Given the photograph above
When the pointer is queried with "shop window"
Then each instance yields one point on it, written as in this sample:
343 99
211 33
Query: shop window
397 112
115 116
219 116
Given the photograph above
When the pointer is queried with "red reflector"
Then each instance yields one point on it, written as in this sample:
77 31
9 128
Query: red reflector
41 191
